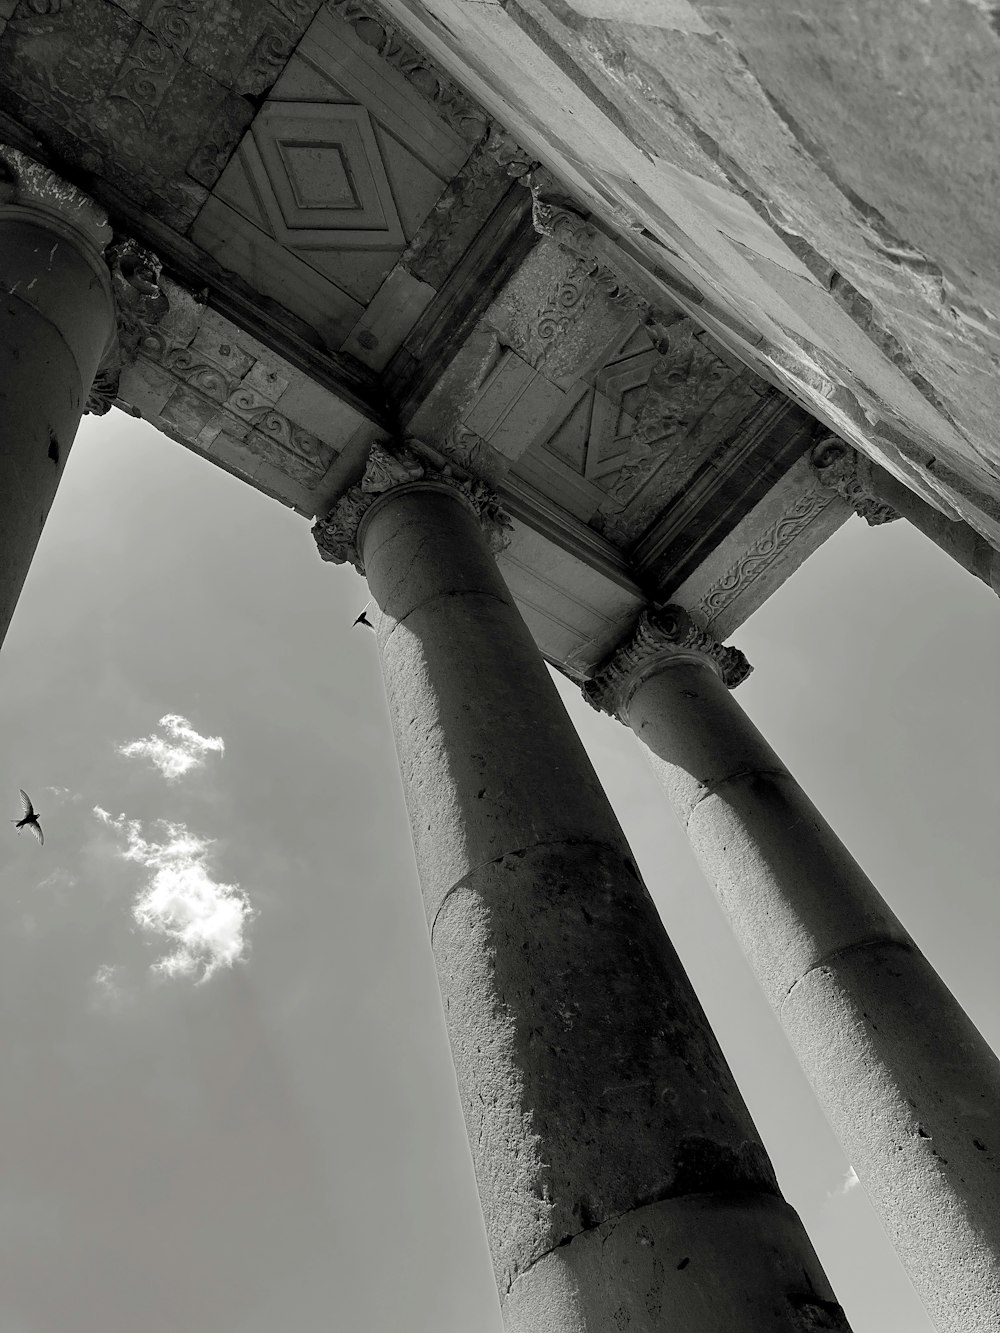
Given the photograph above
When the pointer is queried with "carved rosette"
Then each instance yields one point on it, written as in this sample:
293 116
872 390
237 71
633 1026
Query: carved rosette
390 466
848 473
140 304
663 634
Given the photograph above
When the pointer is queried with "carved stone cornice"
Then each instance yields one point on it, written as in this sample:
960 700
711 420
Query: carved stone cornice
849 473
554 216
389 467
28 183
396 48
663 634
140 304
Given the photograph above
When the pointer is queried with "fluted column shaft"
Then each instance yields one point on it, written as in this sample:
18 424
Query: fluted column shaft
622 1181
56 322
905 1079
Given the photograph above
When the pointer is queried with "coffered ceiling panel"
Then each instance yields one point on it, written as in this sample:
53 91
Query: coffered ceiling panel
333 178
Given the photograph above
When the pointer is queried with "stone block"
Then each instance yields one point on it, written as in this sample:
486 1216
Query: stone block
393 311
215 340
189 412
146 387
317 410
511 405
277 483
293 465
235 454
265 381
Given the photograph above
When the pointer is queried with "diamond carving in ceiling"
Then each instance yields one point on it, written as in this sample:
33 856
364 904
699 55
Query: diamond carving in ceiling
319 178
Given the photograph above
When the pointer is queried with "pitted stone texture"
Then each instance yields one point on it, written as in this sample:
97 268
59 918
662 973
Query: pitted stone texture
449 629
793 901
657 1269
589 1079
591 1082
793 892
903 1080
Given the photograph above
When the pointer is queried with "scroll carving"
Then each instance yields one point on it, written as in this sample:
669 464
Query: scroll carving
554 217
763 553
662 633
389 466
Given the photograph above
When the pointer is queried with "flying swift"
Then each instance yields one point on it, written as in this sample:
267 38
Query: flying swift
30 819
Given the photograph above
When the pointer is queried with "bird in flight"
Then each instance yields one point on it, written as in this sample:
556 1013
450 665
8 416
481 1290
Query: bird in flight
30 819
363 619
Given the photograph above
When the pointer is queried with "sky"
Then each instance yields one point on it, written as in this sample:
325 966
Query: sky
228 1102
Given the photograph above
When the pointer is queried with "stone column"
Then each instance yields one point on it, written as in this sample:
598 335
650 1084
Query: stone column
622 1181
58 335
905 1079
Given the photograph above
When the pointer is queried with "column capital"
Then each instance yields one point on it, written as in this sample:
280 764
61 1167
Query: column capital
842 469
663 634
132 271
140 304
390 466
29 184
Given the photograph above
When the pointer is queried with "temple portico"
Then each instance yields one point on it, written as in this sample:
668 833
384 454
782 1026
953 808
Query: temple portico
576 375
905 1079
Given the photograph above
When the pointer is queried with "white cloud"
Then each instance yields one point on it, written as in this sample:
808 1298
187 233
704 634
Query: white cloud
204 920
108 992
177 752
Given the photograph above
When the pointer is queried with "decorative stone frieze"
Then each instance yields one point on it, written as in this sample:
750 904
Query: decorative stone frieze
140 304
390 466
553 216
662 633
848 473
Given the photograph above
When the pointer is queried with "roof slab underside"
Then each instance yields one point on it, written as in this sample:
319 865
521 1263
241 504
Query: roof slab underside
785 233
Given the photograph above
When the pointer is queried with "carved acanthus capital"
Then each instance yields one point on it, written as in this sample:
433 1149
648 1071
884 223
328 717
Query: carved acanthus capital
391 466
140 304
849 473
28 183
663 634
